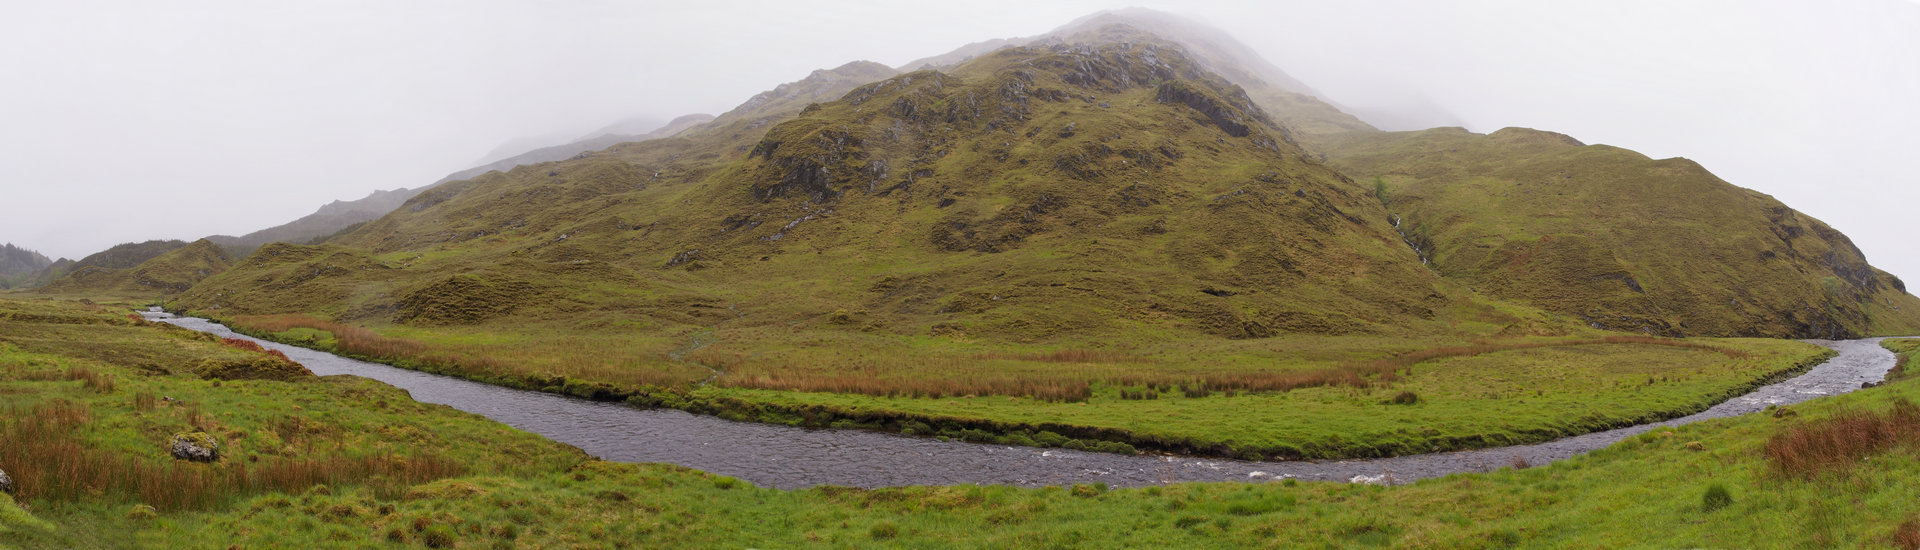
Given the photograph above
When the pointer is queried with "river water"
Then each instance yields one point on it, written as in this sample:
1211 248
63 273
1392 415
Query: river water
789 457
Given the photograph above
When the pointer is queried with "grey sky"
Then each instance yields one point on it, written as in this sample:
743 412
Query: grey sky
124 121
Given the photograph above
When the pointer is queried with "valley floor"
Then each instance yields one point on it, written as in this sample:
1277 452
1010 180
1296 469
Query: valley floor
346 462
1297 397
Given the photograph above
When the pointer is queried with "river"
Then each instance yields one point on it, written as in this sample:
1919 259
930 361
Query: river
788 457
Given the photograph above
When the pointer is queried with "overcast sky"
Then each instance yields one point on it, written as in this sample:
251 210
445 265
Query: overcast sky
125 121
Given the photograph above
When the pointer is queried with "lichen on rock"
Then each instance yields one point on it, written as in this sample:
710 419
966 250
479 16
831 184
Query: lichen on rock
195 446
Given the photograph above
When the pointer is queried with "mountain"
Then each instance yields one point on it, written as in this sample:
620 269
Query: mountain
640 125
171 272
576 148
19 265
1620 240
1291 102
1124 179
329 219
1111 181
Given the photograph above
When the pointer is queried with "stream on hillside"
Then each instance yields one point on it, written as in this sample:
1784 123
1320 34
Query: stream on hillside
789 457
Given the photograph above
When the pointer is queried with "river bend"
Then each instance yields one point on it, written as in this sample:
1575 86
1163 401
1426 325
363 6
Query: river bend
789 457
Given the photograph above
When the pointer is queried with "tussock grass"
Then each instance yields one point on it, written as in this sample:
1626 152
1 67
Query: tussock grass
1838 443
91 379
49 460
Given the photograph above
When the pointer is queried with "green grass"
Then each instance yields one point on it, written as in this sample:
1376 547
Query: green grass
1904 349
520 490
1495 399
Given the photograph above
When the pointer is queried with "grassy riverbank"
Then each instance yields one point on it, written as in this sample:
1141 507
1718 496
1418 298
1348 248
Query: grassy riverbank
1337 398
1833 472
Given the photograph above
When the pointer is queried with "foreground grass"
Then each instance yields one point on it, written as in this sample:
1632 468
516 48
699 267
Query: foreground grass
517 490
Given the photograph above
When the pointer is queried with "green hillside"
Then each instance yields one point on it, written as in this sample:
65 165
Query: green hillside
171 272
1622 241
1071 196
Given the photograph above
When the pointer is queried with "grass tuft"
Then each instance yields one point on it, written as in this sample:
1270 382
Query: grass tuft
1715 498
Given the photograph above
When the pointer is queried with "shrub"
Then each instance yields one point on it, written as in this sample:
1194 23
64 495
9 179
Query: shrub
1715 498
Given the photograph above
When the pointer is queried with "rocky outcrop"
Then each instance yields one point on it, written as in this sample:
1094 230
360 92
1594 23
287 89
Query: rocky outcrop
6 483
196 447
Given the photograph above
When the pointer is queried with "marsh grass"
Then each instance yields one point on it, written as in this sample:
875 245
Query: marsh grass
1836 444
49 459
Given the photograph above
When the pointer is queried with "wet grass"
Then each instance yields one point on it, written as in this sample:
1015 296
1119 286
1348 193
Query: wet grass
1496 398
512 489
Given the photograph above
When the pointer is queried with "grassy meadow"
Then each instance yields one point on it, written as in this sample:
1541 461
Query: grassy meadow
345 462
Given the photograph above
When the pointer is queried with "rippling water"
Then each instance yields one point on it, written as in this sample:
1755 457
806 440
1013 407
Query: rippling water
789 457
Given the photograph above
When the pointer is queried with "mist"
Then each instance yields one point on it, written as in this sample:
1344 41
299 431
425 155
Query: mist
129 121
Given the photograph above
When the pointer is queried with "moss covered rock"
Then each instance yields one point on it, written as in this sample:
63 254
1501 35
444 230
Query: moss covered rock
195 446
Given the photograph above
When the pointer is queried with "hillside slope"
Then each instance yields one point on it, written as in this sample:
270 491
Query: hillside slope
1069 190
170 273
329 219
571 149
1622 241
18 266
